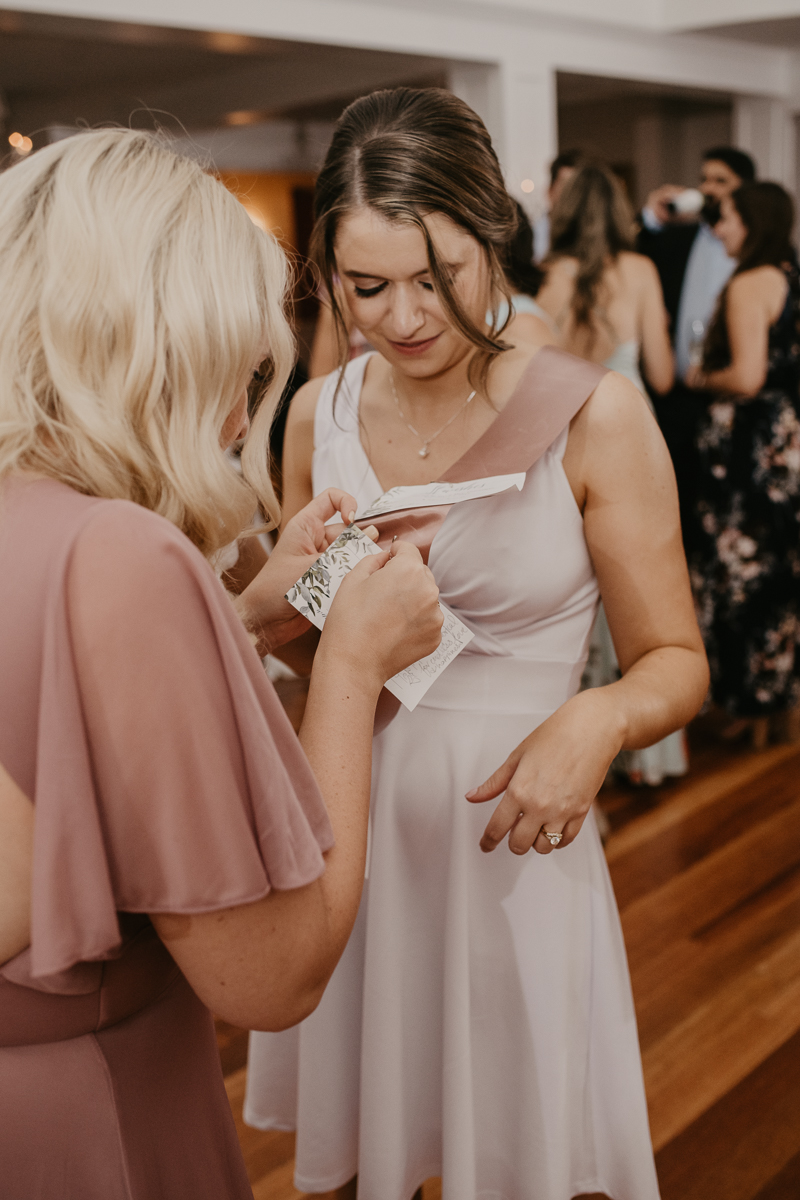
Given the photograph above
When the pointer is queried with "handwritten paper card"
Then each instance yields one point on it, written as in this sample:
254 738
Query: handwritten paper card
410 686
426 495
313 595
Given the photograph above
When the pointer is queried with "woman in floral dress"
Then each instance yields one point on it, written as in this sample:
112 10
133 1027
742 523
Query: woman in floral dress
745 562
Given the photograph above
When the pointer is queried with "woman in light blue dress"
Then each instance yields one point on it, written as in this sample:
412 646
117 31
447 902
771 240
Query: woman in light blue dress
604 303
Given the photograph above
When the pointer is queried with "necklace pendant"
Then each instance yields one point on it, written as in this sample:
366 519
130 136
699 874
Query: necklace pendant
424 452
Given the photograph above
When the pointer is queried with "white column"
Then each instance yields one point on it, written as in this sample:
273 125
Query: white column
478 85
518 106
765 129
530 121
649 155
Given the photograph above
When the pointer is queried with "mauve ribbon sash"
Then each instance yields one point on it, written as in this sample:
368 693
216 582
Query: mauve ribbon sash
553 388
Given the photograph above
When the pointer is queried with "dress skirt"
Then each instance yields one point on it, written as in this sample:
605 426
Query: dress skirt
480 1025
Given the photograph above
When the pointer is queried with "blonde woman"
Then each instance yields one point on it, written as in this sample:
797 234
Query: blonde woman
182 854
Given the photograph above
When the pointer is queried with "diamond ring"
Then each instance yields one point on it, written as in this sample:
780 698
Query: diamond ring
553 838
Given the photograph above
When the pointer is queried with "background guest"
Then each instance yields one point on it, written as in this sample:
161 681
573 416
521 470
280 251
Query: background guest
693 267
562 168
529 322
604 300
606 303
746 565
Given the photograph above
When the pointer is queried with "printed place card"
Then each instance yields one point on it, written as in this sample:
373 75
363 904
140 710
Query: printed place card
313 595
426 495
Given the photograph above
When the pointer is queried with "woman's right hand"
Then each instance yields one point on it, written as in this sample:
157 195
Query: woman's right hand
385 616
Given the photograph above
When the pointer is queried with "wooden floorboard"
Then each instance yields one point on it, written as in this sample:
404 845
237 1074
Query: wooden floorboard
706 871
745 1142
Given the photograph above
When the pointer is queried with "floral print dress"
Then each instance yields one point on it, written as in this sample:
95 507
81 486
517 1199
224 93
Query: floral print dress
745 552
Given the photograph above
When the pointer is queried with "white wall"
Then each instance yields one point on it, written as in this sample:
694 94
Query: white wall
697 14
516 46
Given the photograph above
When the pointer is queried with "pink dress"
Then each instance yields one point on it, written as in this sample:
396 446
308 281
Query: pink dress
480 1024
166 778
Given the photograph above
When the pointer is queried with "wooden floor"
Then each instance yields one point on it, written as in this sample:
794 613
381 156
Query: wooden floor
707 876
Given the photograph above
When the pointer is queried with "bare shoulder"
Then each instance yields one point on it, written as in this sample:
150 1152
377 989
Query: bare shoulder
615 409
637 267
304 403
766 280
613 441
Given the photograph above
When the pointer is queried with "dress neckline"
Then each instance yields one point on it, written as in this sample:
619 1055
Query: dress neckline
493 428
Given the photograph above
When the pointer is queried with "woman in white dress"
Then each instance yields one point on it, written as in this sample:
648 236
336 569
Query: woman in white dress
480 1025
605 304
603 300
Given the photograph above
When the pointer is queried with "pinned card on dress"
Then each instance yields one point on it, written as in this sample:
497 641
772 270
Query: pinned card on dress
313 595
430 495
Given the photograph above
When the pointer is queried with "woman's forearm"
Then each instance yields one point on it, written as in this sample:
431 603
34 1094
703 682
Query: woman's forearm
265 965
336 735
661 692
734 380
299 653
16 867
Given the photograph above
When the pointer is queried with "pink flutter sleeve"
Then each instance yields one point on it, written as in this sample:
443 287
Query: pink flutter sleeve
168 777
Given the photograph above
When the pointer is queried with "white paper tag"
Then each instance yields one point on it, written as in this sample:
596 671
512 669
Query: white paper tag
426 495
313 595
410 686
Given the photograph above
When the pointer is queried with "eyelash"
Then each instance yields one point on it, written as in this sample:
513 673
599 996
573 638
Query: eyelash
365 293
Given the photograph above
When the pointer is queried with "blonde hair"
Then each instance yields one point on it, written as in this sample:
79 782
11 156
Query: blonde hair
136 296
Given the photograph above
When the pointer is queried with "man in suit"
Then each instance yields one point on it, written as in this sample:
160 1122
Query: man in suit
693 268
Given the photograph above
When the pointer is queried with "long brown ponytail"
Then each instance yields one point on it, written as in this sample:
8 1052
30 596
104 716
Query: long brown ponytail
592 222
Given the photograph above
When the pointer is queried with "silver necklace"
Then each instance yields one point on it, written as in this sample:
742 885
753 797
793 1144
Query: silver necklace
424 452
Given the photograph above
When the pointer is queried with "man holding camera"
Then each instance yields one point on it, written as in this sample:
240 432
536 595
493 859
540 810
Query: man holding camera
677 234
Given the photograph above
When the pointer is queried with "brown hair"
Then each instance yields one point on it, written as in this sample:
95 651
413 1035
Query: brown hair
593 222
767 213
406 153
522 272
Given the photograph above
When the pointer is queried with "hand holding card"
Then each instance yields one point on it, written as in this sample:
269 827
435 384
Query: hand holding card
314 592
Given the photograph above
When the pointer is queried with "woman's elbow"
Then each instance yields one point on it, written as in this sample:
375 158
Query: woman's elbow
749 381
269 1013
661 380
697 691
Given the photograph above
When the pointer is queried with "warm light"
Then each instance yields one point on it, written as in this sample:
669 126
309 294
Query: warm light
245 116
229 43
255 216
22 145
527 185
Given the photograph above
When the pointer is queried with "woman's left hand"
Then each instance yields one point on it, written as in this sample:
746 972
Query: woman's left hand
263 605
551 779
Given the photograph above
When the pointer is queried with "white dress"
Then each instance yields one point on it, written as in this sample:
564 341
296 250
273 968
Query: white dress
480 1025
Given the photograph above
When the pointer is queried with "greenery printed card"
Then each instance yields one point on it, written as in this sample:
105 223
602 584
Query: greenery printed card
314 593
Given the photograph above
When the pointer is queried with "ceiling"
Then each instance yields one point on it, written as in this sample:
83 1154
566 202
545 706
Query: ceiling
592 89
783 32
66 71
